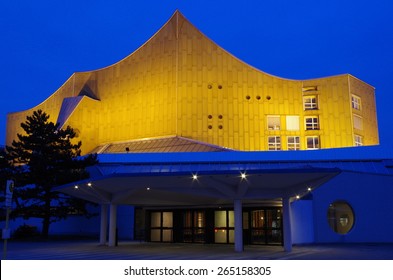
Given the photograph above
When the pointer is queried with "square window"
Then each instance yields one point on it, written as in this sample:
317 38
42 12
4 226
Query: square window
310 102
312 123
313 143
273 122
293 123
293 143
274 143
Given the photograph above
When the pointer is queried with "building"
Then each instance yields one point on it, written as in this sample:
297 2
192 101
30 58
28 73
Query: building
183 130
180 83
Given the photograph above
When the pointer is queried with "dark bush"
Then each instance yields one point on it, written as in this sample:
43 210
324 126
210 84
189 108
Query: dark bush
25 231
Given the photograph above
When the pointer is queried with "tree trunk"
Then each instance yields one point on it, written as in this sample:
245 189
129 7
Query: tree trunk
46 218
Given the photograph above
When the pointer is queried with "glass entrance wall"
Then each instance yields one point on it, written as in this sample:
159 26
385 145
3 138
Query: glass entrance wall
260 226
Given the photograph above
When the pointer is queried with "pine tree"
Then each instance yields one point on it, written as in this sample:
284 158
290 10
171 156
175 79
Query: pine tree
43 158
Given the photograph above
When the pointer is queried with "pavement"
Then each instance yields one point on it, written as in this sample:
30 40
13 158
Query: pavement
132 250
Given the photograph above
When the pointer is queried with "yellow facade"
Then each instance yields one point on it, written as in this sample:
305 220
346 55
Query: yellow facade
181 83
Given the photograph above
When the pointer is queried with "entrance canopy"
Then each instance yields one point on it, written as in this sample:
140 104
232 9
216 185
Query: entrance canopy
197 179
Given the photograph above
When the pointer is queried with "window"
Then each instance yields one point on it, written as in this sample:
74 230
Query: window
357 122
274 143
293 123
293 143
312 123
273 122
310 102
340 217
356 102
313 142
358 140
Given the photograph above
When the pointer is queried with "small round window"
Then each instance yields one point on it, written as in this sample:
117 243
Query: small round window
340 217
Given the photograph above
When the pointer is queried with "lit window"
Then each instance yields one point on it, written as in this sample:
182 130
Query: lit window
356 102
340 217
313 142
293 143
312 123
293 123
310 102
357 122
358 140
273 122
274 143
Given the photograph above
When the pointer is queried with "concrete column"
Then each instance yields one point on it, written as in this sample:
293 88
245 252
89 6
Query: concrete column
104 224
286 205
238 213
112 225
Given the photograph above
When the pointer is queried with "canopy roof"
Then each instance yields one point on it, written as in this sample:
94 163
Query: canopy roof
205 178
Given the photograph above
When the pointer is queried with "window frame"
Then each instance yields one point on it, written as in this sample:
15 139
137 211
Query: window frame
273 127
356 102
358 140
315 147
276 145
310 105
314 125
295 144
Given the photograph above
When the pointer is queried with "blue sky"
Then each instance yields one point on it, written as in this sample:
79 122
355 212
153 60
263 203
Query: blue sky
44 42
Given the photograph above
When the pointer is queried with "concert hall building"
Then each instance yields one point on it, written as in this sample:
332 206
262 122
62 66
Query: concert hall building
205 148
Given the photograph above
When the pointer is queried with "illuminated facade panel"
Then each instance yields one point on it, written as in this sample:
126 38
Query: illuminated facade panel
180 83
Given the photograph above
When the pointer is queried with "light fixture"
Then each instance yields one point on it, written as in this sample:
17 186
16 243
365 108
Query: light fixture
89 184
148 189
309 189
194 177
297 196
243 175
76 187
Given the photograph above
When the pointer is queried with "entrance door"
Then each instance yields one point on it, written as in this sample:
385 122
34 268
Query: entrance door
224 226
161 226
266 226
194 226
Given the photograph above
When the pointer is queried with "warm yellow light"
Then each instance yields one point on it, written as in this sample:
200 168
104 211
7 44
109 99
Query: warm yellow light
297 196
89 184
